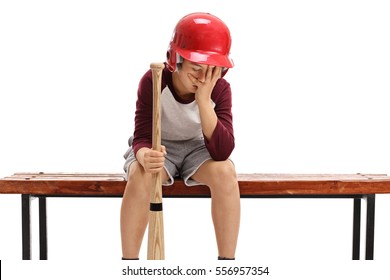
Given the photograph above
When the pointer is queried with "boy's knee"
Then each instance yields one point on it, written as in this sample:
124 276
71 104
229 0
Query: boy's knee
224 177
138 180
225 171
136 172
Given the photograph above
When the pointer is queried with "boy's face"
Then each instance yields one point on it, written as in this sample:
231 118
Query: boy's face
183 83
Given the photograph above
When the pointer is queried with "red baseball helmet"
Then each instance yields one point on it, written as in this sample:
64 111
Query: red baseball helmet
200 38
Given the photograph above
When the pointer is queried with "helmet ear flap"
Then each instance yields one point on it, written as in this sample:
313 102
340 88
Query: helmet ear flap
171 60
224 71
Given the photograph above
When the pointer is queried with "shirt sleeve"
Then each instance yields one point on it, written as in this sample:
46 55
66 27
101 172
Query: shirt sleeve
143 114
221 143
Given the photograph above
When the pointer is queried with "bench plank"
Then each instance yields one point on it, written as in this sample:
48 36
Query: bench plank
113 184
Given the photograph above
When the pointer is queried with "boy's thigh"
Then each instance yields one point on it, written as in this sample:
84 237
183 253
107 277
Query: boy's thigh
212 169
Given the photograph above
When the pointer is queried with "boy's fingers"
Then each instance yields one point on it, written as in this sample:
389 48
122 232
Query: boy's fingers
217 72
210 70
163 150
154 153
192 78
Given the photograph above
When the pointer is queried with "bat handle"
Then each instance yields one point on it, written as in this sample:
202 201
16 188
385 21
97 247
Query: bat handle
156 77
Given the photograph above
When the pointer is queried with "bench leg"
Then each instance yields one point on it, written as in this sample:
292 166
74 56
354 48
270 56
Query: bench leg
370 226
357 202
26 227
42 229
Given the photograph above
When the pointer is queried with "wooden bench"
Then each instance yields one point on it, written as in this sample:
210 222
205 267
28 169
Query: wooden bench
351 186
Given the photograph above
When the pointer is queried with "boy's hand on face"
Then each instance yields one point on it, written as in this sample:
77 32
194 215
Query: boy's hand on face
205 84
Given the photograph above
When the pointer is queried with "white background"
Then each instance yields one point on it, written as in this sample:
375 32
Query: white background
309 91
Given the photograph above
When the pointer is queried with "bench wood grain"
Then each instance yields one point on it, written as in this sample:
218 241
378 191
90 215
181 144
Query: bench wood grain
99 184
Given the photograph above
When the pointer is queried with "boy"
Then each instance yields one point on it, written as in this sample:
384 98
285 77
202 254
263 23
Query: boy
196 133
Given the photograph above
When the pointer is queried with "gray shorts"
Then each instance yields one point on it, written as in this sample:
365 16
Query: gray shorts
183 159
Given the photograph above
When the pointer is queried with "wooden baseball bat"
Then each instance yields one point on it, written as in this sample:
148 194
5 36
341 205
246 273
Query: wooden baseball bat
156 223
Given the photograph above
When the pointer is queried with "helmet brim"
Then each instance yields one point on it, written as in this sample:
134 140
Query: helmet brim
207 58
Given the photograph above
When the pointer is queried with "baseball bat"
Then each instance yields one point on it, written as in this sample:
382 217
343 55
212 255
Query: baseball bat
156 223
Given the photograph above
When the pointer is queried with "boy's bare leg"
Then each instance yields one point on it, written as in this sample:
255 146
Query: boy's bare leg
135 209
221 178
